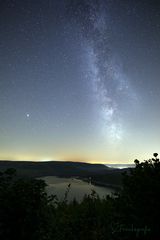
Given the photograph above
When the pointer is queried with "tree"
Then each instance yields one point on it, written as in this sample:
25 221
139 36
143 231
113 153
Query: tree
24 208
140 197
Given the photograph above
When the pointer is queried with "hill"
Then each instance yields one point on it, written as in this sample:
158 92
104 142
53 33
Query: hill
99 173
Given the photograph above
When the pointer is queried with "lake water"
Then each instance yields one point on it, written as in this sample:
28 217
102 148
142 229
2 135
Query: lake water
78 188
120 166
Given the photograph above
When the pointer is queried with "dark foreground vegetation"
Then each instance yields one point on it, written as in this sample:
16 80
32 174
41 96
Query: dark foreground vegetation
26 212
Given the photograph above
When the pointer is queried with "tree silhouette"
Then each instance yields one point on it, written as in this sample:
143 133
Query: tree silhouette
24 208
140 196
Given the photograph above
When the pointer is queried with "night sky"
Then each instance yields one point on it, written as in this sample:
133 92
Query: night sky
79 80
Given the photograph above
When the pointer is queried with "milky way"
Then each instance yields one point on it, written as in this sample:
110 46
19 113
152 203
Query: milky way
109 84
79 80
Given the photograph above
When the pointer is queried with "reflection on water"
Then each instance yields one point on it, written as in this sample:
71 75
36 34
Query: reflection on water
120 166
78 188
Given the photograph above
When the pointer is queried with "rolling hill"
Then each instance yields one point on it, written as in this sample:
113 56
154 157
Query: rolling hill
99 173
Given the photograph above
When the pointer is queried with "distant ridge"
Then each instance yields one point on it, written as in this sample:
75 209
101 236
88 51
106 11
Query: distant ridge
58 168
100 173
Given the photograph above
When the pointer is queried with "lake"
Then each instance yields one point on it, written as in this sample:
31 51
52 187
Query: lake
120 166
78 188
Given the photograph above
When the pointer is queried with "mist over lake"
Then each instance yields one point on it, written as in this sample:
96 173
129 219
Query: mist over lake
78 188
120 166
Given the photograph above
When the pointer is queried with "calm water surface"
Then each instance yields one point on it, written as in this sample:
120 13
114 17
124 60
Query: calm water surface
78 188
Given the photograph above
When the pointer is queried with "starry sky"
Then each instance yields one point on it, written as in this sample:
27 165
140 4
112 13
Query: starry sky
79 80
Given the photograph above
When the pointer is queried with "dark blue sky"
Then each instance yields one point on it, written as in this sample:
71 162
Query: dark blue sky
79 80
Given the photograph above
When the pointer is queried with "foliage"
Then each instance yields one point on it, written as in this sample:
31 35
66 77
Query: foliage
24 208
27 212
140 197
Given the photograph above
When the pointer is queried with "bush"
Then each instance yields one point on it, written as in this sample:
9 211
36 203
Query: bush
24 208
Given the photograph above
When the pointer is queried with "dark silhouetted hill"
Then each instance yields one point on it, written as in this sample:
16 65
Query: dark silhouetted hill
99 173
